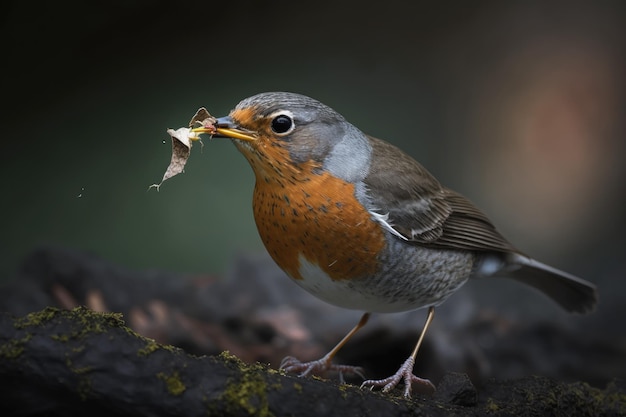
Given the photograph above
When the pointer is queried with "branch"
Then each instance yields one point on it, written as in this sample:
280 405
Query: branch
78 362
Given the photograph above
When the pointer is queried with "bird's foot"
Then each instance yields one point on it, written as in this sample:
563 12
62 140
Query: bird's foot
404 373
319 367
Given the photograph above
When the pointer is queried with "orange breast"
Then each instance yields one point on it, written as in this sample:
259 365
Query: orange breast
316 216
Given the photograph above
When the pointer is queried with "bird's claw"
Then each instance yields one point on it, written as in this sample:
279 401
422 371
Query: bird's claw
318 367
404 373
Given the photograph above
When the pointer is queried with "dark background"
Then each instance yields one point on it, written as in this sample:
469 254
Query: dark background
518 105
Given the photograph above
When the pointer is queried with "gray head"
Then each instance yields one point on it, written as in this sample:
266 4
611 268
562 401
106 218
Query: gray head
282 124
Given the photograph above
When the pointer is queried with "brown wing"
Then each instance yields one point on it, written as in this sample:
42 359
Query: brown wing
424 211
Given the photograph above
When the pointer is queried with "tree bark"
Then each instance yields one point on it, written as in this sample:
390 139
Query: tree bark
78 362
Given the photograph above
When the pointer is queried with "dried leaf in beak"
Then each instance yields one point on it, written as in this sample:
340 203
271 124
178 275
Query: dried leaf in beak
181 149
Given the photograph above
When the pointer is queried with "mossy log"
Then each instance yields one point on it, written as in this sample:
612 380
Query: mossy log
77 362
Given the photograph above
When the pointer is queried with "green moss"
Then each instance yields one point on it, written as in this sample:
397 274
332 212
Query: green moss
614 397
36 318
228 357
546 395
63 338
150 347
491 406
13 348
344 388
248 393
88 321
84 322
83 386
173 383
582 395
298 387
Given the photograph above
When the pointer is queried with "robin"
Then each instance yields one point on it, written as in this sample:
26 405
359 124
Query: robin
360 224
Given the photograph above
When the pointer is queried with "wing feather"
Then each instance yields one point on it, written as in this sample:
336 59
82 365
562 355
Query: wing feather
422 210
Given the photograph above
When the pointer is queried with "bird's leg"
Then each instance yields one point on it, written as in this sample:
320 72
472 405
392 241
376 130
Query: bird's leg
291 364
406 370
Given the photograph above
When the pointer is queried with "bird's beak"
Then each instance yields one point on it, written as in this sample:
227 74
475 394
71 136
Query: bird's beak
225 127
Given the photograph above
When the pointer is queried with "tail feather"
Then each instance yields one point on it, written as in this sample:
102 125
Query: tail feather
570 292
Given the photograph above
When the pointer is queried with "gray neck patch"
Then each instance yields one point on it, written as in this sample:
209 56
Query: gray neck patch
349 159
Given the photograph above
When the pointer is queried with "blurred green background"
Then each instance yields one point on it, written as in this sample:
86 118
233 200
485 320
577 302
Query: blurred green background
518 105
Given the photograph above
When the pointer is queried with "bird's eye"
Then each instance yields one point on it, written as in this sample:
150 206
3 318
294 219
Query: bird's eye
282 124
